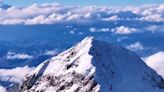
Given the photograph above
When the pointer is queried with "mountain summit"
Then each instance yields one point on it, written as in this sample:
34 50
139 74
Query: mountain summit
93 66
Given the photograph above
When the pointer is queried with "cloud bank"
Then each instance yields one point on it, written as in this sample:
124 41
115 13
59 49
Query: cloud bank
56 13
15 74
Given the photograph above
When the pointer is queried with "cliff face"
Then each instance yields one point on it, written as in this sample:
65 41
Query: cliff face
93 66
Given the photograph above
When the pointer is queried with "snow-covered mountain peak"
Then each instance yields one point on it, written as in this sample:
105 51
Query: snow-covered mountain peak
93 66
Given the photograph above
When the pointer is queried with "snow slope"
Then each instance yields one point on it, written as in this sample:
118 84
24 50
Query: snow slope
93 66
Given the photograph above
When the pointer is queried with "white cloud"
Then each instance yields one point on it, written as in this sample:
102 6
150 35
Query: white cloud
154 28
161 8
36 20
80 33
72 32
51 52
15 74
69 26
112 18
99 30
56 13
13 55
2 89
92 29
153 17
44 14
153 13
156 62
124 30
119 39
135 46
12 21
104 30
28 12
74 17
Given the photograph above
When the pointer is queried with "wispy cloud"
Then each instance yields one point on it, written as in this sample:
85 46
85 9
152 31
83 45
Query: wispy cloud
154 28
92 29
13 55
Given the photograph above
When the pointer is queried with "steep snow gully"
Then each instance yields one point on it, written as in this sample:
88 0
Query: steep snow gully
93 66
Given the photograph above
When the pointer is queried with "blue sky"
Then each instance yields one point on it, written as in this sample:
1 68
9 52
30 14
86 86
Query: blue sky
85 2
